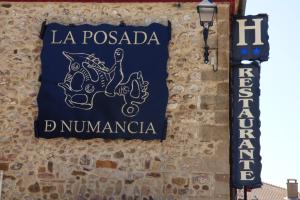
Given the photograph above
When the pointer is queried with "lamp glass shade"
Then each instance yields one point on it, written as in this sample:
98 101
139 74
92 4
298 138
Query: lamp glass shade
206 11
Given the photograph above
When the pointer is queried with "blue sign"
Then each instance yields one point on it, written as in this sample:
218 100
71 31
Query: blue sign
103 81
250 39
245 127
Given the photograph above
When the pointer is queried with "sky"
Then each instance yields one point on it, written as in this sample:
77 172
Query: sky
280 91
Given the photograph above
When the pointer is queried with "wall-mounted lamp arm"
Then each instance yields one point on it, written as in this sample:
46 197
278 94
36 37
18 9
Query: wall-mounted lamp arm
206 47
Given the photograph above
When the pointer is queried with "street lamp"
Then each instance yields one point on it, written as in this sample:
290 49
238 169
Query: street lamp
206 10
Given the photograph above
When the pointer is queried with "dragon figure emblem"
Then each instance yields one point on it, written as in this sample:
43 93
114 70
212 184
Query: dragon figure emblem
88 76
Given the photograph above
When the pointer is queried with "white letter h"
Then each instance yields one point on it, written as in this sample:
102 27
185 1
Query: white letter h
243 28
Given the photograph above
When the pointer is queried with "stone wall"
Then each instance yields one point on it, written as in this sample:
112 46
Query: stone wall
192 163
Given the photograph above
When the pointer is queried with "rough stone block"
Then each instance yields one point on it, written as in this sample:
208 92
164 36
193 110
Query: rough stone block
222 117
222 178
223 25
48 189
222 102
222 187
223 11
106 164
214 102
180 181
4 166
220 75
119 155
153 174
223 60
223 150
45 175
223 89
34 188
223 41
78 173
50 166
213 133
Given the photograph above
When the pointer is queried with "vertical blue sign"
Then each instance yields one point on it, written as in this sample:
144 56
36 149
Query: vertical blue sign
245 127
250 40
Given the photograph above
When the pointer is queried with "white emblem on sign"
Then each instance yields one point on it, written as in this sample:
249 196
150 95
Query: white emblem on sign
88 76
